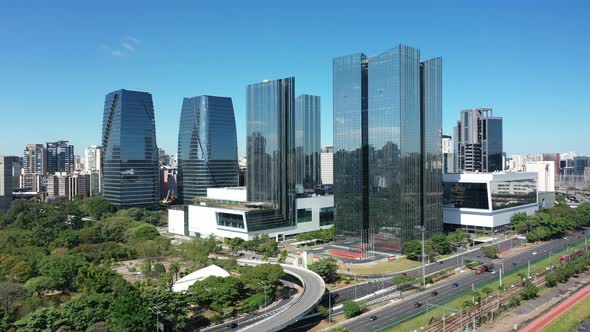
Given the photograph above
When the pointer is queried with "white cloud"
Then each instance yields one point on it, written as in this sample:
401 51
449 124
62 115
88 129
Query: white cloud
126 47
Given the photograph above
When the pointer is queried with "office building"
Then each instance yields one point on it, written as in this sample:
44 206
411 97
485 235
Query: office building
5 182
243 166
270 108
64 185
478 141
60 157
226 213
92 155
34 167
387 148
17 167
207 146
129 158
307 140
545 174
327 165
163 157
94 183
485 202
168 183
448 155
517 162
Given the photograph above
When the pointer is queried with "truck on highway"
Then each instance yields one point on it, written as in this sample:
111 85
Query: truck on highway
486 267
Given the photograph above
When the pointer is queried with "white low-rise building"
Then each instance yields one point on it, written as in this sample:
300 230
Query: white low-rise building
485 202
183 284
226 214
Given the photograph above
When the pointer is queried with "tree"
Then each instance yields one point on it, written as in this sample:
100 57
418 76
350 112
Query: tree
173 306
174 268
351 309
42 319
217 293
551 279
283 256
404 282
96 207
323 311
141 232
61 269
441 244
196 252
413 249
490 252
40 284
129 312
99 279
114 228
583 214
10 293
339 329
259 276
529 290
84 311
486 291
327 268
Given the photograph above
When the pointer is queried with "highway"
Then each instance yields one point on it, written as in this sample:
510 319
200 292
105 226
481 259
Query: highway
392 314
381 282
290 311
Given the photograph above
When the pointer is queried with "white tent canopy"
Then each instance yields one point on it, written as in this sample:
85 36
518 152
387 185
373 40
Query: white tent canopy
185 282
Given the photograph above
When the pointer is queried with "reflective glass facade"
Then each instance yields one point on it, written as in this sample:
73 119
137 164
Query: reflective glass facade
466 195
307 141
130 154
387 142
478 141
350 149
60 157
271 167
207 146
432 156
507 194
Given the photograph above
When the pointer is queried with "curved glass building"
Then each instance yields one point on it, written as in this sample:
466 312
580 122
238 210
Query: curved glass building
207 146
129 162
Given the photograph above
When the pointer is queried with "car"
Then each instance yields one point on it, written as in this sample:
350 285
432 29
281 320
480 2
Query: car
372 318
417 304
493 271
434 293
565 237
513 263
241 254
441 262
455 284
233 326
545 251
576 275
534 252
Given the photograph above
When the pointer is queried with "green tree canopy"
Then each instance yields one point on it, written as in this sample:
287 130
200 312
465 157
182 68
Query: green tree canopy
327 268
351 309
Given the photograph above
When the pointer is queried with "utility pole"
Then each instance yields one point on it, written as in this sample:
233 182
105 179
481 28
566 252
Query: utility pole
329 308
500 276
529 268
157 311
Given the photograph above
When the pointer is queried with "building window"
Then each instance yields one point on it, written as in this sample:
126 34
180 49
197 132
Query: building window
303 215
465 195
230 220
326 216
507 194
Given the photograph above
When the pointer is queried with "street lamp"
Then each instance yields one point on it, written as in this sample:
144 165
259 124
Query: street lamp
264 286
421 227
157 312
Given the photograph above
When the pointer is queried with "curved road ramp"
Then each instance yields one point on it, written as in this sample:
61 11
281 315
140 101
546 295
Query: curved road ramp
313 291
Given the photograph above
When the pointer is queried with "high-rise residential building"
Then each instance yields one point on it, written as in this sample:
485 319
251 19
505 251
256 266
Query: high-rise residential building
327 165
271 167
92 158
168 183
555 158
243 166
163 157
34 167
545 174
129 159
64 185
478 141
307 140
207 146
5 182
387 148
17 167
78 164
448 155
94 183
60 157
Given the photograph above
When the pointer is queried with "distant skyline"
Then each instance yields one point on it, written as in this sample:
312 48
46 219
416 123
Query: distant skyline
59 59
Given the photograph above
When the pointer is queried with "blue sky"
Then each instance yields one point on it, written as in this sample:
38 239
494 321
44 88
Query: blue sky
528 61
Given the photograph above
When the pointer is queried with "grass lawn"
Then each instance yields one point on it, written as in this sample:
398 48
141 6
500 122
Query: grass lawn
400 264
571 318
421 319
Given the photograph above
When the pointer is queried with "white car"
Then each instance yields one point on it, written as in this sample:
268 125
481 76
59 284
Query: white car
534 252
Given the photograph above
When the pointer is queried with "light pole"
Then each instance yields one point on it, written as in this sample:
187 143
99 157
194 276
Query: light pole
157 311
264 286
421 227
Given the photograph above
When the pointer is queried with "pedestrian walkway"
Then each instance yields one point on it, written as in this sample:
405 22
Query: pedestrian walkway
541 322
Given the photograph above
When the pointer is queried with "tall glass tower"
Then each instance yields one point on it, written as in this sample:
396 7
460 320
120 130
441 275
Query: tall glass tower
307 140
129 161
60 157
387 138
271 173
207 146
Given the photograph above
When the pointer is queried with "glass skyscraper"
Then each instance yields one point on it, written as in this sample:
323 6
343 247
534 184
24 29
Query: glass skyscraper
129 161
60 157
207 146
271 173
307 140
387 141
